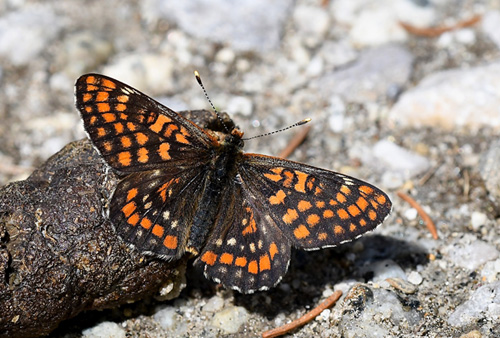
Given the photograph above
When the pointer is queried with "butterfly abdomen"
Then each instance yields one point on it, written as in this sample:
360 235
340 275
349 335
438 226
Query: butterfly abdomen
222 168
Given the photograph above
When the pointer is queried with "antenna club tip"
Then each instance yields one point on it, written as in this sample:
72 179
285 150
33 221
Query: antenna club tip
304 121
197 76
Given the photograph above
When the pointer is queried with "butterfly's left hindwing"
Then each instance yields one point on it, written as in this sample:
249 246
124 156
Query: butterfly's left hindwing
245 250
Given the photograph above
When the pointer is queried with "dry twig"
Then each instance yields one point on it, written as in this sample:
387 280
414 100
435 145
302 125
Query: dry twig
426 218
279 331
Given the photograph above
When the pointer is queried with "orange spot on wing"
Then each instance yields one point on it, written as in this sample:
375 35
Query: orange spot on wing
251 228
102 96
240 261
341 198
131 194
118 127
313 220
300 186
253 267
102 108
290 216
91 80
304 206
273 177
288 179
381 199
129 208
328 213
146 223
352 227
301 232
317 191
120 107
273 250
142 154
345 189
86 97
163 151
320 204
353 210
322 236
209 258
107 146
279 198
108 83
338 230
170 129
171 243
362 222
160 121
131 126
226 258
108 117
88 109
125 158
158 230
126 142
181 138
365 189
141 138
91 88
122 98
362 203
264 263
101 132
342 214
372 215
134 219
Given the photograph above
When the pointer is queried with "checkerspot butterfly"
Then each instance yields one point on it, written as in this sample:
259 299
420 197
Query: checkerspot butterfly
186 189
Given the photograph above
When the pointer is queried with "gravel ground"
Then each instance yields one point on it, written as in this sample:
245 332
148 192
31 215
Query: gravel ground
412 112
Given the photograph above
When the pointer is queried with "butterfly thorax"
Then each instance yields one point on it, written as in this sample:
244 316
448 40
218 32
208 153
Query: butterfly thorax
221 169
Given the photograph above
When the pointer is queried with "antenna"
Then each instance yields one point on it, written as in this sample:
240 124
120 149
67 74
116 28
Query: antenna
198 78
304 121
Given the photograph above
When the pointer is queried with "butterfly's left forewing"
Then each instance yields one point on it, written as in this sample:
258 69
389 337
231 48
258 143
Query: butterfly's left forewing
313 207
135 133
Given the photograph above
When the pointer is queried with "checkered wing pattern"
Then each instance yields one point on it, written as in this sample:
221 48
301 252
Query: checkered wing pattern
246 250
314 208
133 132
150 210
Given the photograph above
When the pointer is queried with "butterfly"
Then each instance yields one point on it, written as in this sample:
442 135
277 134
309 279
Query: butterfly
185 189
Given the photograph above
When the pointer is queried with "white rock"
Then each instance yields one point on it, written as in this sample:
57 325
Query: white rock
400 160
230 319
377 22
452 99
376 72
491 271
415 278
150 73
105 329
24 34
385 269
484 303
169 320
411 214
473 255
247 24
312 22
490 25
478 219
214 304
